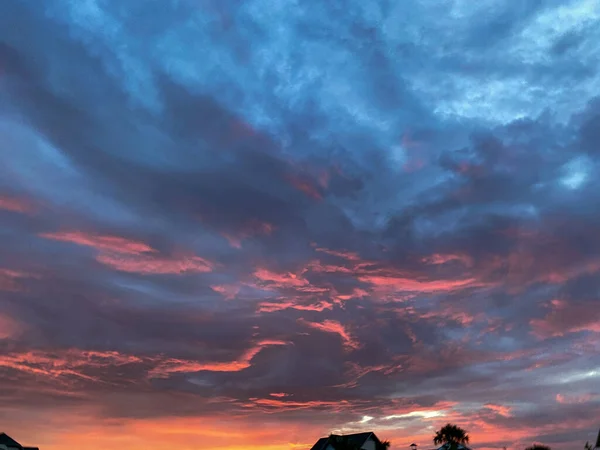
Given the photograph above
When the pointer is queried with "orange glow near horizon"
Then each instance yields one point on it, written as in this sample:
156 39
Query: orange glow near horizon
85 431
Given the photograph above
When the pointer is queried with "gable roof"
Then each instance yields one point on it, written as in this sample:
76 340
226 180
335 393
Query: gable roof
358 439
320 444
6 440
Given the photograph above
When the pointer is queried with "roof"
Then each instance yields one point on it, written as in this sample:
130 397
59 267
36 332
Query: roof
446 446
358 438
320 444
6 440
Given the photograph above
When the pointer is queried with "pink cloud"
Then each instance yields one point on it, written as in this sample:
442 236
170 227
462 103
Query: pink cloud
356 293
500 409
576 399
318 267
331 326
64 363
248 230
443 258
9 280
101 242
350 256
17 205
451 313
132 256
268 307
279 394
295 405
9 327
399 284
228 291
305 186
165 368
564 318
147 265
273 279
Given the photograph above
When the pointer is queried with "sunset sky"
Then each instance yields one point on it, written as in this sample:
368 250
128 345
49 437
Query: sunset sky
246 224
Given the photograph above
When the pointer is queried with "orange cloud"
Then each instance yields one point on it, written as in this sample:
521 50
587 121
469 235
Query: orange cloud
165 368
331 326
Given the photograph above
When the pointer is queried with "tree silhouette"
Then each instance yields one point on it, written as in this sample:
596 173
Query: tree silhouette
538 447
452 435
588 446
383 445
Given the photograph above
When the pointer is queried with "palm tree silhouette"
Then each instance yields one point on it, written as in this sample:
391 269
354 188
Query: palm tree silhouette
452 435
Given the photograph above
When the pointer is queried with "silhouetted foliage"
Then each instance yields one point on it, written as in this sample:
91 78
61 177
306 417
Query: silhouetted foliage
538 447
383 445
452 435
588 446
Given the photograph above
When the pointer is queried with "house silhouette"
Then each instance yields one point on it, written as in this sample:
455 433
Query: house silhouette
8 443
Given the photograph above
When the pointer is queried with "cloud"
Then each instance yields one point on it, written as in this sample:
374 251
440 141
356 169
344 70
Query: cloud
16 205
331 326
567 318
245 361
131 256
10 328
9 279
385 211
102 243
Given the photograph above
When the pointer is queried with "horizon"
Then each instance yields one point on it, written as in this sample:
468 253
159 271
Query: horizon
249 224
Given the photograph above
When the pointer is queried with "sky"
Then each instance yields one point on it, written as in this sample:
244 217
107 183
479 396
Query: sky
244 225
